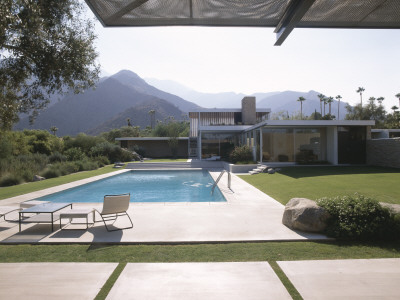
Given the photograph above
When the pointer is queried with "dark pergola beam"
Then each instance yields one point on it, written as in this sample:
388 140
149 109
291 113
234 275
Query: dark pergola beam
123 11
292 16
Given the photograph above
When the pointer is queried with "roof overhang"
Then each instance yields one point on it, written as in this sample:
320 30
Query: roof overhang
149 138
284 15
312 123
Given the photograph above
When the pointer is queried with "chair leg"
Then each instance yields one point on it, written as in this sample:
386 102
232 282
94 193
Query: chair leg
122 214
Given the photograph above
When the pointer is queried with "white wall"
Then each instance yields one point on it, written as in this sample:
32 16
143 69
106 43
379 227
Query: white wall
332 145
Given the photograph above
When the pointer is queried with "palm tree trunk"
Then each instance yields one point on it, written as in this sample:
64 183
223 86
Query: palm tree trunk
338 110
301 110
330 108
320 104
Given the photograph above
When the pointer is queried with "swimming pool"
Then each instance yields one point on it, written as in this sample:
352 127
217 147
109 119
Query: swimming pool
146 186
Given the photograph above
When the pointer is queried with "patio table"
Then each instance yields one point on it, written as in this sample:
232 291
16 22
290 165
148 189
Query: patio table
44 213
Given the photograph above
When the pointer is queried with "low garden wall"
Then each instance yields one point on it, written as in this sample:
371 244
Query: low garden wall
384 152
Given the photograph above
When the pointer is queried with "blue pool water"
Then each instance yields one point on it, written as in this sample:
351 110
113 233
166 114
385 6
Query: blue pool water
146 186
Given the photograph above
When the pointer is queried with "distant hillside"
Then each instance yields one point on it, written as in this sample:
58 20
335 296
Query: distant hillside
287 102
113 95
139 115
209 100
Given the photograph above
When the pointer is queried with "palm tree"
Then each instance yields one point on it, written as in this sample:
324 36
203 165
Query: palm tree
372 100
321 98
380 100
398 96
360 90
53 129
152 114
394 108
128 120
329 101
301 99
325 101
338 97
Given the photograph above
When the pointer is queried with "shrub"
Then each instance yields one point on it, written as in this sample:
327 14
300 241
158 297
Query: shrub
57 157
241 153
10 179
358 217
101 160
51 173
74 154
112 152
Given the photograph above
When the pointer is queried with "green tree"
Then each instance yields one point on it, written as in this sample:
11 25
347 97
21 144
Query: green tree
380 100
301 99
329 101
321 99
338 97
53 129
398 96
360 90
46 47
152 114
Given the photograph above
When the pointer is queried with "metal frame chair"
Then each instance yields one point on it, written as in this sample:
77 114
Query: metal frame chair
115 206
4 210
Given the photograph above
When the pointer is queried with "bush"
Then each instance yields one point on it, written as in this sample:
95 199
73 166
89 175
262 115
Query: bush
74 154
101 160
51 173
10 179
358 217
241 153
57 157
112 152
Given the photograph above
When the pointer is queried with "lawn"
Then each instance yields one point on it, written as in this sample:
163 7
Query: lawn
316 182
164 160
11 191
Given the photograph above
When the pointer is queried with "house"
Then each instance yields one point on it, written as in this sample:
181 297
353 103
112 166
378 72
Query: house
215 132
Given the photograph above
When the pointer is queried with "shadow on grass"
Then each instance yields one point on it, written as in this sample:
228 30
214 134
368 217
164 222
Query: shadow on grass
311 171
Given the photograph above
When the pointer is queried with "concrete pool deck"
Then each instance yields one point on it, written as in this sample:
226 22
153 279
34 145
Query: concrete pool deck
248 215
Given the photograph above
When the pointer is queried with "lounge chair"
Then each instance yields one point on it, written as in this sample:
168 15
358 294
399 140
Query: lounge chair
4 210
115 206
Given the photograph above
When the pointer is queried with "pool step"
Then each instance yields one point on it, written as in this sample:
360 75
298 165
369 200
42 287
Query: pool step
260 169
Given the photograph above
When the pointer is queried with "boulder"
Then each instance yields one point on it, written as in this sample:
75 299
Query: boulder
305 215
38 178
271 171
395 208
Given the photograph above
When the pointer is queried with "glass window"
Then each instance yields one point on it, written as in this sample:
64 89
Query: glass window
308 145
278 145
217 144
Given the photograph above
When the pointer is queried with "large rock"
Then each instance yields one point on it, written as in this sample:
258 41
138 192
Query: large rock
305 215
38 178
395 208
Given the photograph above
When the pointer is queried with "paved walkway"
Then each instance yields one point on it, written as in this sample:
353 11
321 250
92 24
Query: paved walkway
248 215
330 279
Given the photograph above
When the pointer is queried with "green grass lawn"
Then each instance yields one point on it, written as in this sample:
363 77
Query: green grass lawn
11 191
316 182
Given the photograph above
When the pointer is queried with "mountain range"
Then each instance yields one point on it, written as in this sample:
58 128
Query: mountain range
126 95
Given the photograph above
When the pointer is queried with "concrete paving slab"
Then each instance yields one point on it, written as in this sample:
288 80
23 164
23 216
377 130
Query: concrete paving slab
247 215
345 279
233 281
53 280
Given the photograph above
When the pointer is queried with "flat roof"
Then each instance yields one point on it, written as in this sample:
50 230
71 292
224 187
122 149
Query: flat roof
284 15
227 110
148 138
313 123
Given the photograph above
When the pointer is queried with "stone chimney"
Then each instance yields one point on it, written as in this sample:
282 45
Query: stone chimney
249 110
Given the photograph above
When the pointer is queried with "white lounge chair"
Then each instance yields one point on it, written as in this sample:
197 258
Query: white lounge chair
115 206
4 210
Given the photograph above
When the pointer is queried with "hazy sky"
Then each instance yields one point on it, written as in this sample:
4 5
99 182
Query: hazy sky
244 60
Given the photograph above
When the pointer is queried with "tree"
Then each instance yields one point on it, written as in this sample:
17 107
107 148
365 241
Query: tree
360 90
128 120
394 108
321 99
380 100
152 114
329 101
301 99
325 101
46 47
338 97
398 96
53 129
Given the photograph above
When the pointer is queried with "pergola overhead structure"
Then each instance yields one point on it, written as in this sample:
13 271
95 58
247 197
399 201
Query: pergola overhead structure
284 15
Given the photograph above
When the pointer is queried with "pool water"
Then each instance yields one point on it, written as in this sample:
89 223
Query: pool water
146 186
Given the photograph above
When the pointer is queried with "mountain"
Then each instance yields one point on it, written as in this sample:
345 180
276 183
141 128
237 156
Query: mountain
287 102
138 84
139 115
112 96
209 100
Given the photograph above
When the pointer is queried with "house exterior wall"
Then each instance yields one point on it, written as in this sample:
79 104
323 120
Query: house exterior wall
384 152
160 149
332 145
